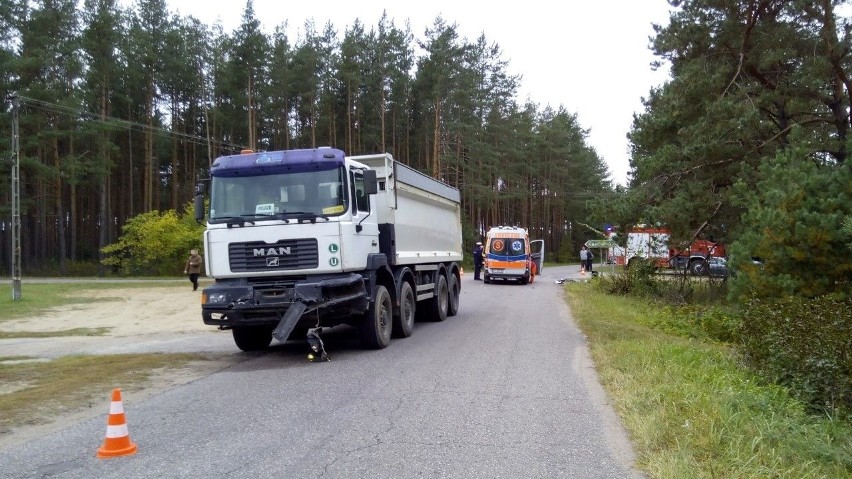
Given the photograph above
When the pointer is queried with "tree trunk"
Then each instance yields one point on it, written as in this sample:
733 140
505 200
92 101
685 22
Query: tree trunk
175 169
251 122
436 138
382 115
57 203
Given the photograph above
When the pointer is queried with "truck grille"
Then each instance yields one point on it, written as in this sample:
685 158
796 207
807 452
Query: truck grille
283 255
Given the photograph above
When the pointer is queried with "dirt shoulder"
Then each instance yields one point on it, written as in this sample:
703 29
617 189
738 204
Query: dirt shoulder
136 320
125 311
156 319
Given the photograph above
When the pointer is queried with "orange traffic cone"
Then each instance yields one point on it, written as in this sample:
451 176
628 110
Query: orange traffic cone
117 442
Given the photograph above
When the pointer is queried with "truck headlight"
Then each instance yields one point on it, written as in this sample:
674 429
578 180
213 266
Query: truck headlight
215 298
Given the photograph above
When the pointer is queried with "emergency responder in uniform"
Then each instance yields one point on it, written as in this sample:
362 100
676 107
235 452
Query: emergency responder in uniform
478 259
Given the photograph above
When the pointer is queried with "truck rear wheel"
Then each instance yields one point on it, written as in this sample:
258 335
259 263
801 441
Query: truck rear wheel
453 288
252 338
403 320
375 327
436 307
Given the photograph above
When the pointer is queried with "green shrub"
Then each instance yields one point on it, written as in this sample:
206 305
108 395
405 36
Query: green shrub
804 344
637 280
795 227
715 323
155 243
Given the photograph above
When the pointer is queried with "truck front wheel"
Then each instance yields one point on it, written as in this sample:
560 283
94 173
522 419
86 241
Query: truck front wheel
252 338
375 327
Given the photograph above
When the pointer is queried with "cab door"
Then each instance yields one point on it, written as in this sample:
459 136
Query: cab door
537 254
361 235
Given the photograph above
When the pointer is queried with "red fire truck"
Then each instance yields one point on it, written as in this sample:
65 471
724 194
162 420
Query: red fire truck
702 257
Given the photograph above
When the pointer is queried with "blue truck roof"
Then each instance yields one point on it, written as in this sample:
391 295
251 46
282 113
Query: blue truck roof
272 162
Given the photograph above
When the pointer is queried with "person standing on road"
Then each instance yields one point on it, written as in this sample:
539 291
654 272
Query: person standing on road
477 261
584 258
590 259
193 267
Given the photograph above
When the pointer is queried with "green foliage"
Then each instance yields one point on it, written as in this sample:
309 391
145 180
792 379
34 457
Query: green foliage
637 280
691 407
803 344
847 231
748 142
708 323
687 306
155 243
793 221
566 253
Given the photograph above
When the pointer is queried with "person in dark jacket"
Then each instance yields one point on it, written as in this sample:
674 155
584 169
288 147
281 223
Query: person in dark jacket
477 261
193 267
590 260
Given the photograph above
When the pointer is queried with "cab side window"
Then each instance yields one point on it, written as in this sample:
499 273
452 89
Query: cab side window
362 201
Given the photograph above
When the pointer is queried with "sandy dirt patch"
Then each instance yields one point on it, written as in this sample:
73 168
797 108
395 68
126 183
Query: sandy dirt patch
138 320
126 312
135 320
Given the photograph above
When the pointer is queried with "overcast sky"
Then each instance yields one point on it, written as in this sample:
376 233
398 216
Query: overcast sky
590 56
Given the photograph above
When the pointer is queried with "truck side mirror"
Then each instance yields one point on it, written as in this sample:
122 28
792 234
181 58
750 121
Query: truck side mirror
371 183
198 202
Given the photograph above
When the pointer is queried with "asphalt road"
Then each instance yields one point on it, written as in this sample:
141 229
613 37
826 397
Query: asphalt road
503 389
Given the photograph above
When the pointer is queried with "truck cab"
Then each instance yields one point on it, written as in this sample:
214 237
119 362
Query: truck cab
255 196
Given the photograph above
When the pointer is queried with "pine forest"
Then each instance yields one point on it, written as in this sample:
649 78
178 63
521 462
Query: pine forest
122 109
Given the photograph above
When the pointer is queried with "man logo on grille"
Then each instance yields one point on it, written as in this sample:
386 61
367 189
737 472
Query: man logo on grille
279 251
272 262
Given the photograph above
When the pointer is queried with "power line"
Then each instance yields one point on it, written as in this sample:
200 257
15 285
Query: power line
127 124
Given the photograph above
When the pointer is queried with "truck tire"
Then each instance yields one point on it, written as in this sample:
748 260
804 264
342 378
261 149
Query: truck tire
252 338
403 320
453 290
376 324
699 268
437 305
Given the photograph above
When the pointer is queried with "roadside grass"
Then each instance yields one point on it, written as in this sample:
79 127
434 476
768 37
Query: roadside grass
692 410
40 297
31 393
54 334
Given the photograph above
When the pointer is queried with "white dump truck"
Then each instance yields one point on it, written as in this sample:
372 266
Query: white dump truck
311 238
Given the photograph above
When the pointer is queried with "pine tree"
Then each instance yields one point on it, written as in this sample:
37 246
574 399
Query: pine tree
248 69
745 76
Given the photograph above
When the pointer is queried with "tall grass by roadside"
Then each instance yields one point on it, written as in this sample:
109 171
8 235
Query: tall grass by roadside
692 409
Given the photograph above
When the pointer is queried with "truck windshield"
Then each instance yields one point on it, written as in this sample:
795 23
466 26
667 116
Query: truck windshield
317 193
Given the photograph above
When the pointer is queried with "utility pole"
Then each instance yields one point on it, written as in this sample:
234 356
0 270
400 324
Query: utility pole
16 202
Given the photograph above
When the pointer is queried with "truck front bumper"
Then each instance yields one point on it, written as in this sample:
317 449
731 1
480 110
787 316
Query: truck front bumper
240 302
